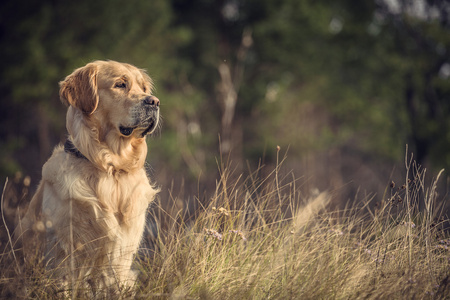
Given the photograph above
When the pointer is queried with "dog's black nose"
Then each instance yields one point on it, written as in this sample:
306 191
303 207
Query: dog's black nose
151 100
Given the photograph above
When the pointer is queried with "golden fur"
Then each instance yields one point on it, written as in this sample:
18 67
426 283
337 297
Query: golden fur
92 209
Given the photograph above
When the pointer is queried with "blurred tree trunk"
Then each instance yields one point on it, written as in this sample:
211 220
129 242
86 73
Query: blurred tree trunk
230 83
228 98
419 144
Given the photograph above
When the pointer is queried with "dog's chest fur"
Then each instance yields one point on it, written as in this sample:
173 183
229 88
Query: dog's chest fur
113 207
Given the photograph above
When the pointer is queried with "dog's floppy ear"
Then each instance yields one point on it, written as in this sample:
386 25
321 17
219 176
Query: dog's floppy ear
79 89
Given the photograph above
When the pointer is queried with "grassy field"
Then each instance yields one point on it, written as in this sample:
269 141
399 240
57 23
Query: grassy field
260 238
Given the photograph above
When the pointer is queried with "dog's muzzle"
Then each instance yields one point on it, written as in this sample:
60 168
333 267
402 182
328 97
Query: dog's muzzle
146 117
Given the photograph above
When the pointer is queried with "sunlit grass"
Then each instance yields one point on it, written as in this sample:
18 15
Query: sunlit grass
261 238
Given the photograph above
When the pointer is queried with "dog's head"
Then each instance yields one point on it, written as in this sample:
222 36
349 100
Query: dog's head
115 95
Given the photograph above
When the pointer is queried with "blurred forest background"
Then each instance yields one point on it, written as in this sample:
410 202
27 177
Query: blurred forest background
341 86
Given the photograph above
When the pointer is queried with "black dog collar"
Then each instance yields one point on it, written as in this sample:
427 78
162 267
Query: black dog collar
69 147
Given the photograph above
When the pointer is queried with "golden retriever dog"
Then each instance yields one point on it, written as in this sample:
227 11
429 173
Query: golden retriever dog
91 203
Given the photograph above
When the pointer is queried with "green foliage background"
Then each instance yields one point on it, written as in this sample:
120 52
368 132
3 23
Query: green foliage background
343 84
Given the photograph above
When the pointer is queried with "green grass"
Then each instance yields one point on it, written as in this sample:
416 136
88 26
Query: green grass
261 238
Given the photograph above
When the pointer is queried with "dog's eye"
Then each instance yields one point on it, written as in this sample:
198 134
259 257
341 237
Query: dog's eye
120 85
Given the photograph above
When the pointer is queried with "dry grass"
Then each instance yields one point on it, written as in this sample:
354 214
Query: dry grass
260 238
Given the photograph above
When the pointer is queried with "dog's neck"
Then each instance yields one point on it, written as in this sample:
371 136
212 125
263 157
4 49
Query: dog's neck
109 153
